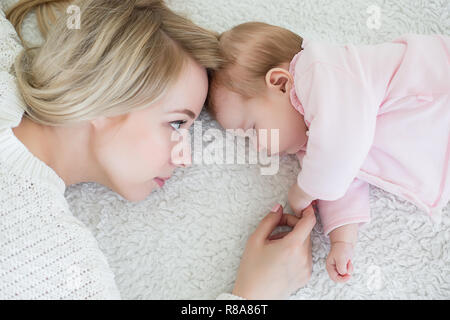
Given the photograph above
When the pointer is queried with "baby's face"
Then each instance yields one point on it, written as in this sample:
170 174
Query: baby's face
271 110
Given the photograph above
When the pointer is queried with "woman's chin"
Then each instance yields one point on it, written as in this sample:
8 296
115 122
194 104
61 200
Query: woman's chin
140 193
153 187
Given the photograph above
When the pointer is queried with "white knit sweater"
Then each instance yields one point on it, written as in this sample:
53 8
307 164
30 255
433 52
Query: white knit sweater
45 252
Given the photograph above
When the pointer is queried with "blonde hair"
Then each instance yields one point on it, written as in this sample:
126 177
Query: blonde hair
124 56
250 50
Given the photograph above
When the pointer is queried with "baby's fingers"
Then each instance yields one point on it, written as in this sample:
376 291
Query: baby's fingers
331 272
341 266
350 267
342 279
336 277
334 274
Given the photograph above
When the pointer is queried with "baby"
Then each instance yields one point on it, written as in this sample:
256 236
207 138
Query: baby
354 116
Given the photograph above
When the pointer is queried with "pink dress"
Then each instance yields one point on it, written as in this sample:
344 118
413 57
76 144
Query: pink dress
376 114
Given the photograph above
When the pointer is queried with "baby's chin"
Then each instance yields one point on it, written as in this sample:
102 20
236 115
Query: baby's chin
293 150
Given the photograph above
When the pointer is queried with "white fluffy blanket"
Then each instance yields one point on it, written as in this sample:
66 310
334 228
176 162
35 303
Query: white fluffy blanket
185 242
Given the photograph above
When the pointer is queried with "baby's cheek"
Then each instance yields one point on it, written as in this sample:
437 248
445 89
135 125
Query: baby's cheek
294 139
270 140
285 140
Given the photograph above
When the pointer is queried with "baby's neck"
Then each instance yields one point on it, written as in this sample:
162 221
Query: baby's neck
301 135
304 133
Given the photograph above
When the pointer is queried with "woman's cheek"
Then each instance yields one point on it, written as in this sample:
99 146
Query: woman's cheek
141 160
159 152
150 157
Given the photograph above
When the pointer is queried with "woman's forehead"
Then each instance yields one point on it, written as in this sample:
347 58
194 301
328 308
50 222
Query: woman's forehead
192 82
188 94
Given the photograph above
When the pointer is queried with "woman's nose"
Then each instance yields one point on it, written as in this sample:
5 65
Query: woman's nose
181 150
184 164
183 160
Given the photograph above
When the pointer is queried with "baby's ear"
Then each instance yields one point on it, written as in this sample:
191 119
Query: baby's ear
279 79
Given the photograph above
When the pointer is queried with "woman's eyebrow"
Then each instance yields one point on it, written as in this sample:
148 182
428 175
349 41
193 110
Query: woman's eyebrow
187 112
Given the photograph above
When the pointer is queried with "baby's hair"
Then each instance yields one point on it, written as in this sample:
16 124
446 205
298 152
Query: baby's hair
250 50
124 56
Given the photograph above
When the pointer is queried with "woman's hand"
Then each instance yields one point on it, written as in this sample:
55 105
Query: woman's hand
298 199
275 266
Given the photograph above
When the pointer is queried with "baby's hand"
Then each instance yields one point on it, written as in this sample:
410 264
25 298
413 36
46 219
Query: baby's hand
339 261
298 199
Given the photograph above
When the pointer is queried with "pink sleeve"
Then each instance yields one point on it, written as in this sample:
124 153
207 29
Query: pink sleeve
352 208
342 116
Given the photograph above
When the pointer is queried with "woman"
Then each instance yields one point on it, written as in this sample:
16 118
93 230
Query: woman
100 104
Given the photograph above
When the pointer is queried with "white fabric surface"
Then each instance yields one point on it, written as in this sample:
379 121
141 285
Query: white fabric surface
185 241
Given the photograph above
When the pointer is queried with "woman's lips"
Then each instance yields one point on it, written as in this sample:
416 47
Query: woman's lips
161 181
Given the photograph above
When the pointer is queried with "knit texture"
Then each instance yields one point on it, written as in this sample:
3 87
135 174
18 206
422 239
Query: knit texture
45 252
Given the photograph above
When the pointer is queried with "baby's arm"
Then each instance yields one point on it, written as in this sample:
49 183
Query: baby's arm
345 234
340 220
341 129
298 199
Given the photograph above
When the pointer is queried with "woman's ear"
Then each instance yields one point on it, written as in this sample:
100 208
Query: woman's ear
99 122
279 79
104 129
102 122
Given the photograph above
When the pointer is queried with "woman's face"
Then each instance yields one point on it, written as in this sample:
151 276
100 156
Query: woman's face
135 151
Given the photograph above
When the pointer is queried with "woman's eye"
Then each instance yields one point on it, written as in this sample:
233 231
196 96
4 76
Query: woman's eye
177 124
